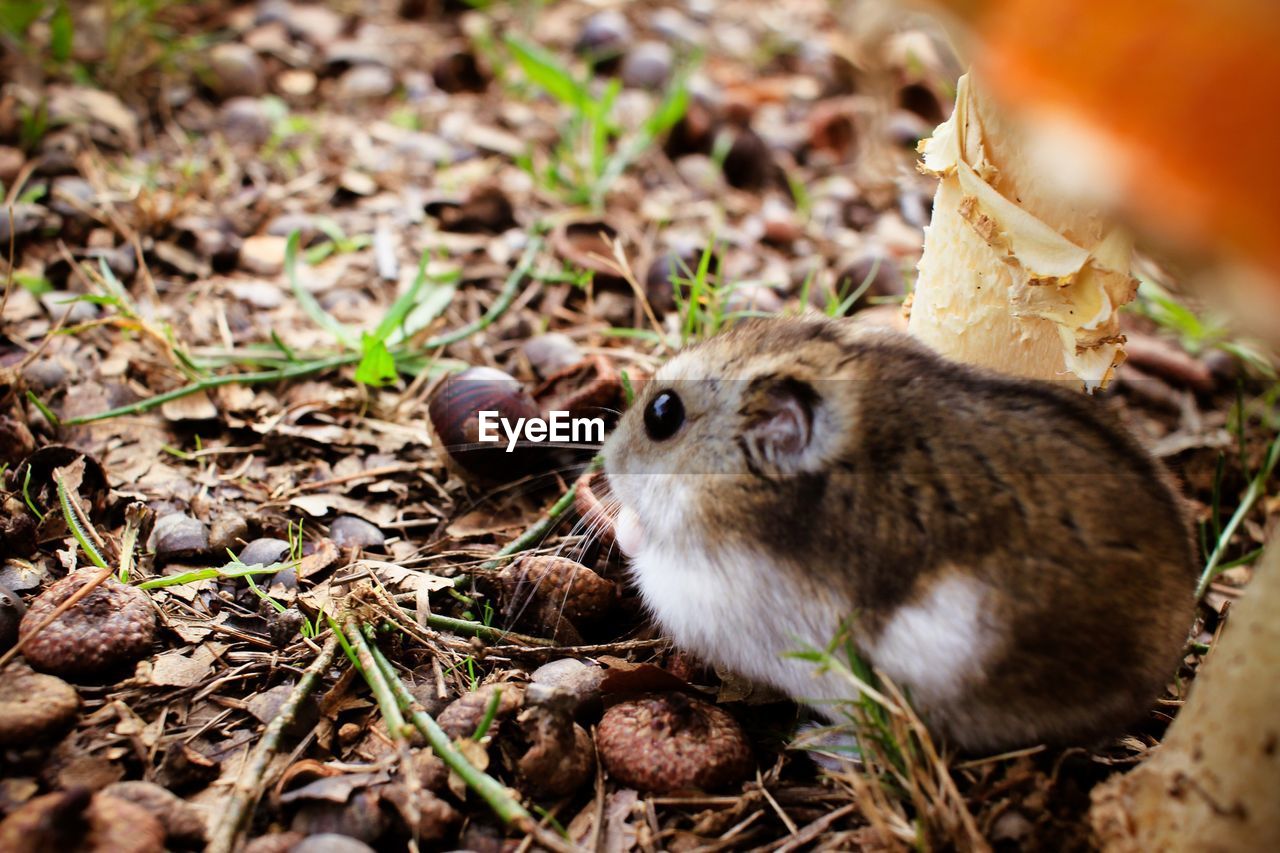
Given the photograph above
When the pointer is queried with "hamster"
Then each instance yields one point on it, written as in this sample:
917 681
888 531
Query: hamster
1001 548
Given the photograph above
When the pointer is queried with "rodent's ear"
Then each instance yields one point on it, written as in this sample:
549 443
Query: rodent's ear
779 419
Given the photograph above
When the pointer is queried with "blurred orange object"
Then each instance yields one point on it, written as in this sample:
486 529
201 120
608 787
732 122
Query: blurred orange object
1183 95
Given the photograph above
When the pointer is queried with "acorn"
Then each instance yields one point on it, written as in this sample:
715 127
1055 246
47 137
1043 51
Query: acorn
560 757
462 716
455 415
671 742
34 707
560 587
80 820
109 628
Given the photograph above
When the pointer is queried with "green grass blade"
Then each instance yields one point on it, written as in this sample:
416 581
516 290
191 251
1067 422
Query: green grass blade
543 70
322 318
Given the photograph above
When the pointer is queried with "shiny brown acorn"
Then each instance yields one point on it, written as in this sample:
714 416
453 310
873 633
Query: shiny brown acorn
455 409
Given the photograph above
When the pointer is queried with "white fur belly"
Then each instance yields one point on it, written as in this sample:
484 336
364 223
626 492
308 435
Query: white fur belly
733 610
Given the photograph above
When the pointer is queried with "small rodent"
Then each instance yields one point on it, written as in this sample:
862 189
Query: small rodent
1001 548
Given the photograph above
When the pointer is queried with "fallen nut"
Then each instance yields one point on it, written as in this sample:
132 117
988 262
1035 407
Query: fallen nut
560 758
462 716
182 821
34 707
111 626
671 742
561 589
81 821
455 415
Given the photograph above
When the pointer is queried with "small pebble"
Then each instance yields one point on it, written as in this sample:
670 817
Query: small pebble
263 254
647 66
346 53
227 531
236 71
284 627
60 302
244 121
317 24
348 531
286 223
755 298
604 37
72 197
178 536
581 680
551 352
20 220
264 552
121 260
366 83
11 610
330 842
296 82
44 375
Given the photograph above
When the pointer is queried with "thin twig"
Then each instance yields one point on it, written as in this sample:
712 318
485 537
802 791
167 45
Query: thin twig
251 780
378 683
813 830
484 632
490 790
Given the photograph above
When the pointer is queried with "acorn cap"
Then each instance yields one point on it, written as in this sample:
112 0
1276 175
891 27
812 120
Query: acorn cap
575 592
672 742
34 707
111 626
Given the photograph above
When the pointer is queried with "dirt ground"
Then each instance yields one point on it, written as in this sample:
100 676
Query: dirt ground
244 243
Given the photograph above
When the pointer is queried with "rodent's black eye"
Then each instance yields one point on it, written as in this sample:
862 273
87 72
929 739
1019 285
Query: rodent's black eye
663 416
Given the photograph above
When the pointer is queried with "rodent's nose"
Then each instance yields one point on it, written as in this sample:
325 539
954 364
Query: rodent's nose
628 532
